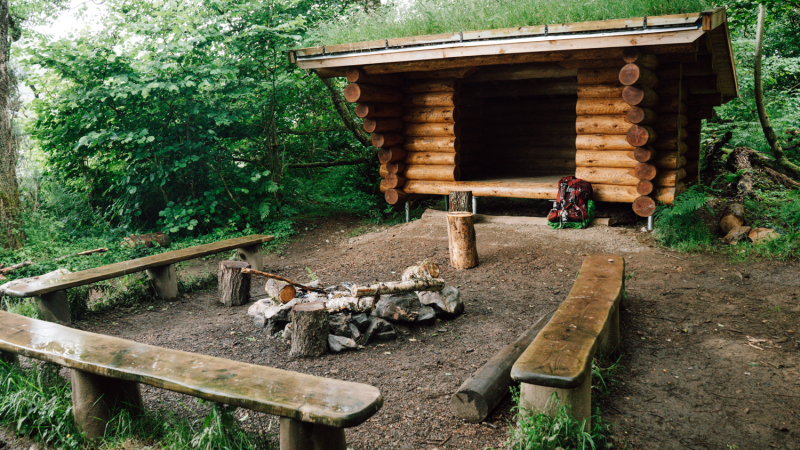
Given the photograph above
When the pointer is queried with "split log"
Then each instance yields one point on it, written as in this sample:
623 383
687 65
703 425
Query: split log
640 96
394 181
382 125
635 74
732 217
644 206
280 290
634 55
603 142
147 240
483 391
432 99
641 135
371 110
395 167
433 173
398 287
431 115
280 278
309 329
351 304
601 105
387 139
433 85
605 158
14 267
356 75
395 196
602 124
644 171
599 75
641 116
367 93
461 235
600 91
644 154
460 201
233 285
432 129
432 158
391 154
644 187
447 144
87 252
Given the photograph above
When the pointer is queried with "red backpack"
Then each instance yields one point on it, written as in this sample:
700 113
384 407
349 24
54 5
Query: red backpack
573 197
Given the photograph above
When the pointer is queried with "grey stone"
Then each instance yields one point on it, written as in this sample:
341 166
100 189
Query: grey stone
280 313
427 315
287 332
446 302
361 321
355 333
339 343
340 324
258 308
260 322
399 308
376 326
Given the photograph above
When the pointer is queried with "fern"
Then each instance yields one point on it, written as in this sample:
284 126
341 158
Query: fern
680 226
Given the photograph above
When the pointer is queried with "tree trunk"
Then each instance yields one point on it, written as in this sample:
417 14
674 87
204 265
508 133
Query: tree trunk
234 286
344 112
784 164
309 329
460 201
11 235
461 233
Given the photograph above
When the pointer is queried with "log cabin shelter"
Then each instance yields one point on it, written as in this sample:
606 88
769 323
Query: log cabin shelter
508 112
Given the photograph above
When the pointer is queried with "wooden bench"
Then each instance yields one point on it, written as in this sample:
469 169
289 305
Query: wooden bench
560 358
106 371
50 290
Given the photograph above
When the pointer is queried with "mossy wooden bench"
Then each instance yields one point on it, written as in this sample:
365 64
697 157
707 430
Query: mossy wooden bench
50 290
106 371
560 357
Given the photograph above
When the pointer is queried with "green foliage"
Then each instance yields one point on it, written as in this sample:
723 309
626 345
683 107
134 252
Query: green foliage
680 226
421 17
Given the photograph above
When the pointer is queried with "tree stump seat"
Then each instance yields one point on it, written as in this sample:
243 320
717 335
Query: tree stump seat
559 360
106 372
50 290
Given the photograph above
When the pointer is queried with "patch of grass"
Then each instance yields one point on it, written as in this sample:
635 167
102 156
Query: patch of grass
421 17
680 225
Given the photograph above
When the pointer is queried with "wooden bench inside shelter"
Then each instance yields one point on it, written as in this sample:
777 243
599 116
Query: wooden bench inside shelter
106 372
50 290
559 360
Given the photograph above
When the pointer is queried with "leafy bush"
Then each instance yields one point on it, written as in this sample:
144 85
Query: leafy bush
680 226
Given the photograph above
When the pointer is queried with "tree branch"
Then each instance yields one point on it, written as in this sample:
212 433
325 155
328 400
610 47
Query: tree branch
344 112
322 129
343 162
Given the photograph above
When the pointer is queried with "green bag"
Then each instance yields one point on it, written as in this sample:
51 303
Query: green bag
578 225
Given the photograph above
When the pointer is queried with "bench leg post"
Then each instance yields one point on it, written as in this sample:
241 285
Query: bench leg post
297 435
253 256
609 344
537 400
165 281
54 307
95 398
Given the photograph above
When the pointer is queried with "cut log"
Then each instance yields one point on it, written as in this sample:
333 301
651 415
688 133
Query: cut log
309 329
641 135
604 158
147 240
350 304
387 140
602 124
607 175
280 278
460 201
433 85
394 181
732 217
635 74
368 93
431 99
433 173
483 391
391 154
644 187
599 75
640 96
634 55
461 235
383 171
395 167
644 171
356 75
395 196
644 154
382 125
601 105
233 285
641 116
600 91
432 158
371 110
447 144
432 129
603 142
398 287
431 115
644 206
280 290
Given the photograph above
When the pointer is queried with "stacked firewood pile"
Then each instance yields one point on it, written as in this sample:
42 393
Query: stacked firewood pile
347 316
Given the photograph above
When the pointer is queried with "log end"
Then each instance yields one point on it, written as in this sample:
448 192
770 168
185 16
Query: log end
639 136
644 171
395 196
644 154
470 406
644 187
644 206
370 125
352 92
633 95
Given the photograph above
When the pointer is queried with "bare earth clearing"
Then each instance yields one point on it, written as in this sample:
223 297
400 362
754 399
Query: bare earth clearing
708 361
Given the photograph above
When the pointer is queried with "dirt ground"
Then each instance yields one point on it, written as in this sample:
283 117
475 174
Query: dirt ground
710 354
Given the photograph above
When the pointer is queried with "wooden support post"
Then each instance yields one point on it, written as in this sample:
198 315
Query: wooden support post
609 344
460 201
461 234
537 399
233 285
253 256
95 398
297 435
165 281
309 329
54 307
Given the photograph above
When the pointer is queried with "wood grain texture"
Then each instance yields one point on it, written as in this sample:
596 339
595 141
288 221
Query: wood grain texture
273 391
561 355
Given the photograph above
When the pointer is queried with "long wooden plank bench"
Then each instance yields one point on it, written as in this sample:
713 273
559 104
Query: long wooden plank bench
50 290
106 371
560 358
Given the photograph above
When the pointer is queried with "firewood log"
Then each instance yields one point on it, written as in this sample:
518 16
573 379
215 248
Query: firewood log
351 304
280 290
398 287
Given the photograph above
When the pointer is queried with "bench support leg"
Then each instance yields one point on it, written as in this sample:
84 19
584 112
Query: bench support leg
253 256
537 400
54 307
296 435
610 342
165 281
95 398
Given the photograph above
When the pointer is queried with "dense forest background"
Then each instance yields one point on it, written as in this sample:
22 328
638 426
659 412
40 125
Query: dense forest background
186 117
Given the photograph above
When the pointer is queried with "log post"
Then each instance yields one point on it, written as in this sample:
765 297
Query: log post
54 307
95 399
253 256
537 399
460 201
461 234
233 285
165 281
309 329
297 435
